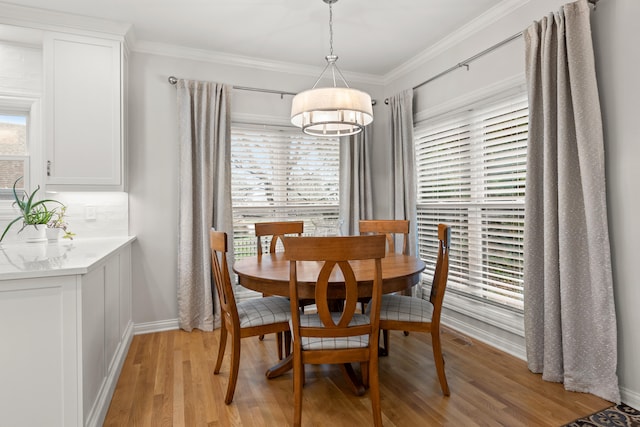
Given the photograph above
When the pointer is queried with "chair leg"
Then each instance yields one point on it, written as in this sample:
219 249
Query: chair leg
221 347
235 365
304 375
439 361
298 380
406 292
385 342
287 343
261 337
364 368
279 343
374 391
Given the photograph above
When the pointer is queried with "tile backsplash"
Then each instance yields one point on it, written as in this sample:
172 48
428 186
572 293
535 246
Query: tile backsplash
89 215
95 214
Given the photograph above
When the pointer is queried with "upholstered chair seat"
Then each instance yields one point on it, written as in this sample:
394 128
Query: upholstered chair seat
333 343
405 309
263 311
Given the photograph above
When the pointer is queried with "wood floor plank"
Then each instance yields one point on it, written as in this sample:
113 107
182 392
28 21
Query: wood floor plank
121 408
167 380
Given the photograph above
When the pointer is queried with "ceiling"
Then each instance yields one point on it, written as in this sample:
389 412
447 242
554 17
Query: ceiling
370 36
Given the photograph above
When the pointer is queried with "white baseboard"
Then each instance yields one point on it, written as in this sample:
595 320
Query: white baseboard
158 326
630 397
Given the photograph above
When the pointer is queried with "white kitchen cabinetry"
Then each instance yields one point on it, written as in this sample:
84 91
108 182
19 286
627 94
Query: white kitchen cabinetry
64 334
84 112
106 332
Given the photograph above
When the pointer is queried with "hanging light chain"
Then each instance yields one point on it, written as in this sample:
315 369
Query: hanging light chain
330 29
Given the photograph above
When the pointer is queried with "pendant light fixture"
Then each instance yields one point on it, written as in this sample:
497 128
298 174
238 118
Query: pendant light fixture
331 111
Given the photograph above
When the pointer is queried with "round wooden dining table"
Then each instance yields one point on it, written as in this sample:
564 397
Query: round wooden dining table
269 274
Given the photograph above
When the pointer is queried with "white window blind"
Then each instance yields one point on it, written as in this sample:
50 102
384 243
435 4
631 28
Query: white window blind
14 153
281 174
471 174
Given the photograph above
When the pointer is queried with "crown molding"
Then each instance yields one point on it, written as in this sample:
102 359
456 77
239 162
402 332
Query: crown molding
483 21
48 20
176 51
129 41
505 87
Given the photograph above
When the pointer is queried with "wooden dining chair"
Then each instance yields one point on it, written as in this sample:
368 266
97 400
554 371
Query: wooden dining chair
248 318
405 313
338 337
390 228
276 230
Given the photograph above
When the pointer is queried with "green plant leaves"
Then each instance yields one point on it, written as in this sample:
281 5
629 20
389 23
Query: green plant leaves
31 213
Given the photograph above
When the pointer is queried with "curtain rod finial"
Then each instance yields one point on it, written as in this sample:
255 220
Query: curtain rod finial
172 80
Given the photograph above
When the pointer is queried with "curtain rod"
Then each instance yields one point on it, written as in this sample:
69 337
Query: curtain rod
173 80
467 61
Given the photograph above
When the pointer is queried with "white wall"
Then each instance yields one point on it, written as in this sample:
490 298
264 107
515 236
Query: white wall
617 62
154 153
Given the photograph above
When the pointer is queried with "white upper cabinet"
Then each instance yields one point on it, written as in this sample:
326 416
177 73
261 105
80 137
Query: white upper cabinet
84 105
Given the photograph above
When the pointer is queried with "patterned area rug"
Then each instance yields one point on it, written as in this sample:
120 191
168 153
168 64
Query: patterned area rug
616 416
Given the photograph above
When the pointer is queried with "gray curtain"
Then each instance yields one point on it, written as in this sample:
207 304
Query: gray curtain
205 196
570 323
355 181
403 154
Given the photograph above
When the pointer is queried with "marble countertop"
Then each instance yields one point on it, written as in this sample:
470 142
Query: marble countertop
61 258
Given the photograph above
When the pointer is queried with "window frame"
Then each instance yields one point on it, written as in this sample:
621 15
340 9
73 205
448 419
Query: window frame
460 305
31 107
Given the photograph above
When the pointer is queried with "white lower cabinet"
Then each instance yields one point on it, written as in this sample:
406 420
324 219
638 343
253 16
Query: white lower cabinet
63 342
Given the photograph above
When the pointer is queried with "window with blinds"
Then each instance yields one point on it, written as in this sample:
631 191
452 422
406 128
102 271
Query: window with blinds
281 174
471 174
14 153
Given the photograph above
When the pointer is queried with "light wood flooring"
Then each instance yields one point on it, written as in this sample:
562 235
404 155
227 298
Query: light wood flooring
168 380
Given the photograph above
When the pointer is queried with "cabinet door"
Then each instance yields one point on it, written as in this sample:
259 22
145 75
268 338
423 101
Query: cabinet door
94 365
112 336
39 365
83 111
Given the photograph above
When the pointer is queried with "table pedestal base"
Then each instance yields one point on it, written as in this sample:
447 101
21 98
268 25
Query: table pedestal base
286 365
282 367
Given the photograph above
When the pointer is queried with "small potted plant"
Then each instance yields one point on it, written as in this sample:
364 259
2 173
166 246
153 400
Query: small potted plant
56 224
32 213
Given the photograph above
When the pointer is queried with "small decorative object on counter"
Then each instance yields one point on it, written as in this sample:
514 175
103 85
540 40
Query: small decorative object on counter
57 224
36 215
